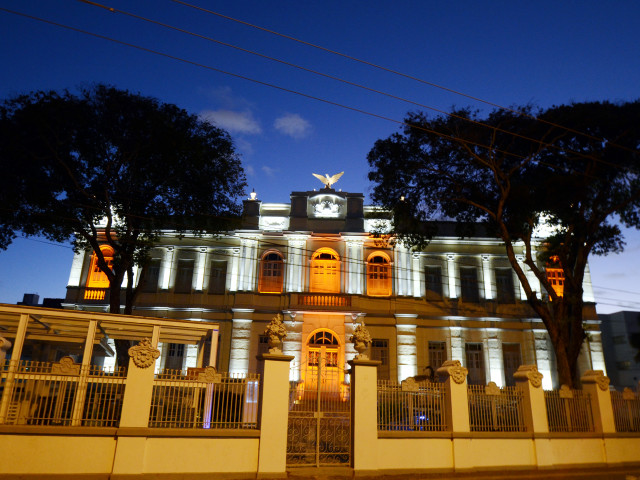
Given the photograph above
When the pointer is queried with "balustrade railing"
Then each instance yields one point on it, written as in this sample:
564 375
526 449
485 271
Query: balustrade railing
569 410
63 393
324 300
411 406
494 409
196 399
626 410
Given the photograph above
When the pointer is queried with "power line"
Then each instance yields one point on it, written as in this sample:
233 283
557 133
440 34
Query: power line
395 72
347 82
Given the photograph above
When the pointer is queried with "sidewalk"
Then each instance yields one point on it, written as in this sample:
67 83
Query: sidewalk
342 473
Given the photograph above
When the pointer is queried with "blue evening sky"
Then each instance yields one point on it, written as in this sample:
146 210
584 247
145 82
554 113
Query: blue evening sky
505 52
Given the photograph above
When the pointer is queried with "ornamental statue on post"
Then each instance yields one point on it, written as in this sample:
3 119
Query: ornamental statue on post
277 332
361 340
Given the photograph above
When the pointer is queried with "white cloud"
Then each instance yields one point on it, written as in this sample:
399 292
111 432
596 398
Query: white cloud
268 170
293 125
250 170
233 121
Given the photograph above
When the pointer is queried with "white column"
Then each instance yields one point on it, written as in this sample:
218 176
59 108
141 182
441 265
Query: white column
296 263
595 348
191 356
248 251
452 274
457 345
292 344
407 348
240 341
200 268
402 271
494 354
233 269
76 269
252 265
351 262
166 268
417 275
533 280
359 270
587 295
543 357
487 278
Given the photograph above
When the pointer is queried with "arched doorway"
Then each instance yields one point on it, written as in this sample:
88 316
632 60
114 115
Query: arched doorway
323 361
319 430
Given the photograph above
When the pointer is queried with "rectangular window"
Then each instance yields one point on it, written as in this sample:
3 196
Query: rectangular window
175 357
380 352
469 284
184 276
152 276
437 354
511 359
475 364
217 276
433 280
504 286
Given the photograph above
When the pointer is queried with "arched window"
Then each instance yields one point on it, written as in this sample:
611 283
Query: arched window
378 275
96 278
271 272
323 347
325 271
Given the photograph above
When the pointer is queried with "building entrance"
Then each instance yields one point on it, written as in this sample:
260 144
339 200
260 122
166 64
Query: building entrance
319 431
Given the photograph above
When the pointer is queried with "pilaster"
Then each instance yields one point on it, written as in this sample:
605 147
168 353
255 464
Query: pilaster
407 351
454 377
166 268
452 274
240 340
76 269
487 278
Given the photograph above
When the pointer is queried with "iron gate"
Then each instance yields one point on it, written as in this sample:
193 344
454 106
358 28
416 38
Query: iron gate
319 431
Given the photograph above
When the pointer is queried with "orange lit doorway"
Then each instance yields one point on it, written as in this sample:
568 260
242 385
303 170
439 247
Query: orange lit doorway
325 271
324 361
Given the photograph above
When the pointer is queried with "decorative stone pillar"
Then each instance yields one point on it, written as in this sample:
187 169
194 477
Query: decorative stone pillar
452 273
417 275
292 344
166 268
76 269
355 267
240 340
487 278
274 395
454 376
457 344
494 352
364 415
233 270
529 382
136 402
200 268
296 263
407 352
596 385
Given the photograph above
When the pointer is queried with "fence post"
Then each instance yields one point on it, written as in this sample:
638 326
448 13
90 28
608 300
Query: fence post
454 376
273 415
364 416
529 382
596 385
136 405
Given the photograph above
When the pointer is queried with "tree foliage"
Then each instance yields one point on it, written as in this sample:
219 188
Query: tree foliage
107 166
573 168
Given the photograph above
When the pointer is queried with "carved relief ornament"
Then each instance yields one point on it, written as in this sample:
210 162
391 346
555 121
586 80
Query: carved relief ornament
66 366
492 389
143 354
531 373
453 369
409 385
210 375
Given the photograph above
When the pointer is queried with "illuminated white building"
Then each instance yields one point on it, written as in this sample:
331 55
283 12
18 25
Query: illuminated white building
314 261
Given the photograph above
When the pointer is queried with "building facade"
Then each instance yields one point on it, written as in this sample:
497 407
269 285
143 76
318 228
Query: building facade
619 353
316 262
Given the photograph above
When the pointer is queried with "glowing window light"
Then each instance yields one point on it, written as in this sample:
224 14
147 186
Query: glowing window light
271 273
378 275
325 271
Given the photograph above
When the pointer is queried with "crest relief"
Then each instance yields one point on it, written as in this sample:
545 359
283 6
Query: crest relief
143 354
453 369
530 373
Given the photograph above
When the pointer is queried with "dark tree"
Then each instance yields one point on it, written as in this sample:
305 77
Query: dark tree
106 166
514 174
